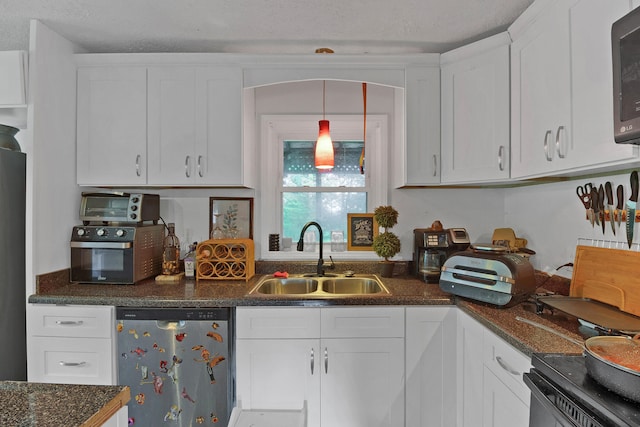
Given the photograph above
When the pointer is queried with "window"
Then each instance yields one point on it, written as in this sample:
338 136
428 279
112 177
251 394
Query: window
293 192
326 196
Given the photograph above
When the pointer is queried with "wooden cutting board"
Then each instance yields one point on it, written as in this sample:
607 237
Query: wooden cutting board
611 276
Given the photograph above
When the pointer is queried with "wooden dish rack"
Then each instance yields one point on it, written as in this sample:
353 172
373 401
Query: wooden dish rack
225 259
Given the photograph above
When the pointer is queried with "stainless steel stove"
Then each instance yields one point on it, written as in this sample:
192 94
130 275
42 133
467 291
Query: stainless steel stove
563 394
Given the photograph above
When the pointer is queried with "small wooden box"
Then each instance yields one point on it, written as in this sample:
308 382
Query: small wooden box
225 259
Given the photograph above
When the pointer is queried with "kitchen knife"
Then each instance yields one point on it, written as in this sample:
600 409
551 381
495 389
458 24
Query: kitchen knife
601 206
595 204
620 205
608 188
631 207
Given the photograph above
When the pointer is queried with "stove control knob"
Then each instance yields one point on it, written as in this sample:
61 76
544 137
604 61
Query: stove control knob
80 232
101 232
120 232
133 216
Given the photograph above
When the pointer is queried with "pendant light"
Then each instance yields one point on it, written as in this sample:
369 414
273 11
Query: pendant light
324 145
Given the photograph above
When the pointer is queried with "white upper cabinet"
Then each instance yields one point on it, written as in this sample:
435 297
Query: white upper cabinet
195 126
418 159
592 82
13 88
112 126
561 100
540 90
161 124
475 112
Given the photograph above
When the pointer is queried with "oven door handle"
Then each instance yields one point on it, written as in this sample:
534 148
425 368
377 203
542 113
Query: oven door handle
101 245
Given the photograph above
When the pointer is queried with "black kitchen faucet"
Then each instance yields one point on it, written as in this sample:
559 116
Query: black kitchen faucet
300 247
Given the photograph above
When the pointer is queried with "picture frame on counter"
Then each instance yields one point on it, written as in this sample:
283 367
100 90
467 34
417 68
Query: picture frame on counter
231 217
361 230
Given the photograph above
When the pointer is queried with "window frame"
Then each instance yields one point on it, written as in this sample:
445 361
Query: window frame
277 128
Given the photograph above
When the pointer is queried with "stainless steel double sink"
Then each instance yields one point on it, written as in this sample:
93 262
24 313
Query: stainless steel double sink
327 286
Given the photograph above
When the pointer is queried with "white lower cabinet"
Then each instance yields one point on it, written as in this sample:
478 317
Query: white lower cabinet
430 366
72 344
347 363
490 385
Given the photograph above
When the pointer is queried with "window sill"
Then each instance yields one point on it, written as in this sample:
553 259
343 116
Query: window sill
293 255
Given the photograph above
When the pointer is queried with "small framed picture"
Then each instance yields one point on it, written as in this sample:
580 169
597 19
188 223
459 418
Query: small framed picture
231 217
361 229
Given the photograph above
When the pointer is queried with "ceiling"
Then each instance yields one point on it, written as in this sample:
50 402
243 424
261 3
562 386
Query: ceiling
260 26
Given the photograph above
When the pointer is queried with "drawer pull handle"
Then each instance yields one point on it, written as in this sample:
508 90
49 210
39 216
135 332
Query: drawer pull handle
72 364
313 361
69 322
506 366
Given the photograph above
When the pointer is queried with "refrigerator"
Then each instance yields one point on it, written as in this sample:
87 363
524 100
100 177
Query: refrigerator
12 265
178 363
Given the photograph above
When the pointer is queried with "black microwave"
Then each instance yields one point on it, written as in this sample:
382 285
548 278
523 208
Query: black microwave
625 44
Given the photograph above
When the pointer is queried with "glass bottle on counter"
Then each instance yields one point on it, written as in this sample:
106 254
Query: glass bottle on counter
190 261
171 253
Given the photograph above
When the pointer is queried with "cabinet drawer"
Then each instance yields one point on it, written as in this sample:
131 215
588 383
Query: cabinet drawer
362 322
507 363
71 361
70 321
277 322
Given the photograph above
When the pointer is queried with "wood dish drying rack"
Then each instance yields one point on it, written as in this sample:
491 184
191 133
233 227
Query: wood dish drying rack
225 259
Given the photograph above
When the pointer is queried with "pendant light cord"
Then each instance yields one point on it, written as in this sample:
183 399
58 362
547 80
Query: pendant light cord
324 88
364 136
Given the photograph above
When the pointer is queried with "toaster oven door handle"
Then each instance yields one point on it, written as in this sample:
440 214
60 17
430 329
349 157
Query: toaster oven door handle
101 245
478 276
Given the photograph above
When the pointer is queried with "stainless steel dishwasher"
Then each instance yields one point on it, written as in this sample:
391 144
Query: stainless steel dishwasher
178 363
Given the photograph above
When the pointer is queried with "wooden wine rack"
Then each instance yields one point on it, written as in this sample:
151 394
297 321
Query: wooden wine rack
225 259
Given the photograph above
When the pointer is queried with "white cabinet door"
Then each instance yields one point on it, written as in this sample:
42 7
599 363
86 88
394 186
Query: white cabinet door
430 366
541 94
592 80
419 160
475 112
112 126
502 408
362 382
279 374
172 125
219 139
470 371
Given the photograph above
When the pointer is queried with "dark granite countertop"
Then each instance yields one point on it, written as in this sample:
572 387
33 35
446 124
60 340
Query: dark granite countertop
53 405
405 290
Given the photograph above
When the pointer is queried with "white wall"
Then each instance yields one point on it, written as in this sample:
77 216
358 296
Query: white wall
51 180
551 218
